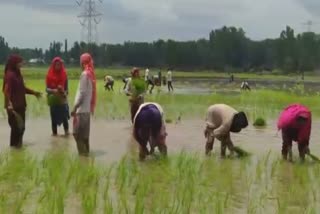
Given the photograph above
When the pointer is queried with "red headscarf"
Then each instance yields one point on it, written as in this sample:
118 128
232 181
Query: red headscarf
56 78
135 72
11 66
87 61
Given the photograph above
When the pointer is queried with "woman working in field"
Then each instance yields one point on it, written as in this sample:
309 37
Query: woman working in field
136 88
295 124
85 103
221 120
15 99
108 83
57 89
149 126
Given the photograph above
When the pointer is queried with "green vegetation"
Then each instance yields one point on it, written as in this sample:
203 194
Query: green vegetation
226 48
261 103
183 183
260 122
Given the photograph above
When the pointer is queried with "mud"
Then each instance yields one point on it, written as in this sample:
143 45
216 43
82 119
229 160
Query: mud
111 140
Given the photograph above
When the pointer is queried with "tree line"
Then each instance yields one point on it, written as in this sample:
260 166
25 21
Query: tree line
226 48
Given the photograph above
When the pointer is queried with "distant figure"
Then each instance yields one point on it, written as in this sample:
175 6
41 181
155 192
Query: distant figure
231 78
146 74
84 106
57 92
245 86
149 126
160 77
108 83
126 80
295 124
169 80
149 80
220 121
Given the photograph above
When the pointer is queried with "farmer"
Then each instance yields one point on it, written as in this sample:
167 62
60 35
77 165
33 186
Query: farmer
15 99
245 86
149 81
108 83
149 126
137 97
126 80
221 120
85 103
169 80
295 124
57 91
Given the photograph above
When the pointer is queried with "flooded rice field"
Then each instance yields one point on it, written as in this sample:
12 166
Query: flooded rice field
111 140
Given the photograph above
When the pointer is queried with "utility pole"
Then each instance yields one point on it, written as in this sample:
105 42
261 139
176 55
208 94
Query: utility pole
89 19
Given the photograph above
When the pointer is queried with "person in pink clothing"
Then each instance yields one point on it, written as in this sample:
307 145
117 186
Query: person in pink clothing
295 125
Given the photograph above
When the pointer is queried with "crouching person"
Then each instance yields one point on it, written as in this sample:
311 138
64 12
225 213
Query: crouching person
221 120
149 126
295 124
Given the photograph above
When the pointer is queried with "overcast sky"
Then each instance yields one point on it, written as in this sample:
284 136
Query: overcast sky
34 23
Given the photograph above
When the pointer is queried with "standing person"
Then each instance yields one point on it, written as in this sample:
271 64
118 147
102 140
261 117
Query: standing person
149 80
160 78
295 125
146 75
85 103
57 92
169 80
136 89
108 83
149 126
15 99
221 120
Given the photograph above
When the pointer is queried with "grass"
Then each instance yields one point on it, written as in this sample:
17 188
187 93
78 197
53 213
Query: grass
112 106
183 183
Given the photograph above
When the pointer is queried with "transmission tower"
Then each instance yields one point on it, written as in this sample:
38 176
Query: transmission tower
309 25
89 18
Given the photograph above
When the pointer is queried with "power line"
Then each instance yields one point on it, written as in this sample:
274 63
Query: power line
89 18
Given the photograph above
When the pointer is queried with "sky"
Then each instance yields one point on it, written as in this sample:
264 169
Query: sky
35 23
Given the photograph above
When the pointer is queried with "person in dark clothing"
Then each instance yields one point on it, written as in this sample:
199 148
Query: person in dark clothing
15 92
57 89
149 126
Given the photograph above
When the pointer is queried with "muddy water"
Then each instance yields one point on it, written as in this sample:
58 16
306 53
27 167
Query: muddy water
111 140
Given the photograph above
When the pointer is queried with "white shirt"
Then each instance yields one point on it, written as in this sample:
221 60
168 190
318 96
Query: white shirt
127 90
84 94
146 75
169 76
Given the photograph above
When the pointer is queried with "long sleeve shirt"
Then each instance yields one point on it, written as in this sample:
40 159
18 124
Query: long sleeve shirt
84 94
219 119
15 90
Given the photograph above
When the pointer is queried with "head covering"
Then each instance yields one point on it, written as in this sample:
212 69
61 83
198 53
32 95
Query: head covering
11 66
239 122
56 78
288 119
87 61
135 72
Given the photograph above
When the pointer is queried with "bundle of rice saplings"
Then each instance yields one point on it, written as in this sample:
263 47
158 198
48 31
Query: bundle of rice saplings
139 87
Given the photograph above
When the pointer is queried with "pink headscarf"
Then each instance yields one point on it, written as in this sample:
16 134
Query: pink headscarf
87 61
288 119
